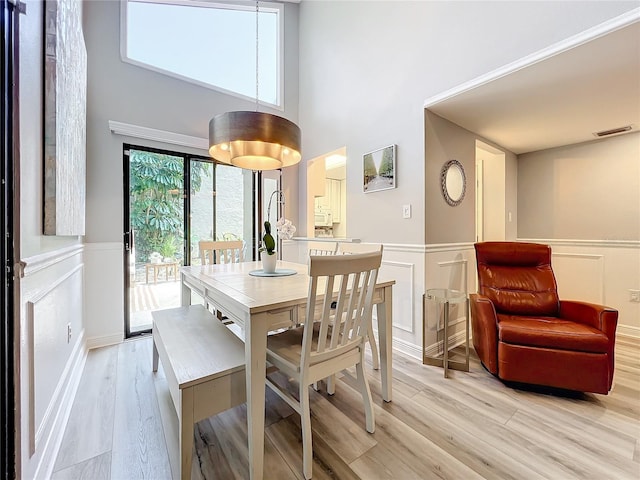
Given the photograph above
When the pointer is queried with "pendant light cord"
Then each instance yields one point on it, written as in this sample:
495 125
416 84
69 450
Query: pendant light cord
257 63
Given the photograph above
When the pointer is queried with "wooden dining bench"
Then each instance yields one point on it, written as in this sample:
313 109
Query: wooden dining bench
204 365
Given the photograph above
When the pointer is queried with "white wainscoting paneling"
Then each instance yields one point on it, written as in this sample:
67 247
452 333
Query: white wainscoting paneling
46 260
454 274
405 264
403 294
579 276
449 266
435 349
51 361
600 271
59 300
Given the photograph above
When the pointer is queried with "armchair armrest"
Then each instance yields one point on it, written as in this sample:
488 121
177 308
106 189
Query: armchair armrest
603 318
484 327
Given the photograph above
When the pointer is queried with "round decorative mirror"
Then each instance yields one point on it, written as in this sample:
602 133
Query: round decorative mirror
453 182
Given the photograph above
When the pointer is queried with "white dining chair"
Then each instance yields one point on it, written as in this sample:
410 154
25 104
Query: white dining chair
322 248
345 248
220 251
334 342
348 248
228 251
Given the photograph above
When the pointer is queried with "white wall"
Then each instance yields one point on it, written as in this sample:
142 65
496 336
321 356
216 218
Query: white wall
587 191
444 141
126 93
51 291
366 69
51 361
584 201
32 240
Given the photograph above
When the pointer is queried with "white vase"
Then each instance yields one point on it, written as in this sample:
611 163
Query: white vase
268 262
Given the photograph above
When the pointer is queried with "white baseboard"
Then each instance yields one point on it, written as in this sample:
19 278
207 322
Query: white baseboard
407 348
104 341
454 341
628 332
51 445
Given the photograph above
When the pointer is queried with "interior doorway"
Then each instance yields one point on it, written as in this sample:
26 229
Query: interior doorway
491 214
326 195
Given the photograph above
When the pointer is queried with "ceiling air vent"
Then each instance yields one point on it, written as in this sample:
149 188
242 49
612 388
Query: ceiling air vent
613 131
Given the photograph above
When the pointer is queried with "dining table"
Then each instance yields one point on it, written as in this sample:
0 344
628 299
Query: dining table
261 303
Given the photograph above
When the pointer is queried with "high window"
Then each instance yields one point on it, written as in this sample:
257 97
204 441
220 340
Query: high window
210 44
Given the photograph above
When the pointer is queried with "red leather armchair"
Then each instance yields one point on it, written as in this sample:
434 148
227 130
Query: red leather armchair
524 333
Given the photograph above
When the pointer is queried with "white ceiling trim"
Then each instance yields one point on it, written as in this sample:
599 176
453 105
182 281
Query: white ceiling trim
137 131
604 28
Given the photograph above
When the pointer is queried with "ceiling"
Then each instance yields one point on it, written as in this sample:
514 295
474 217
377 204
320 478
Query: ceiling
560 100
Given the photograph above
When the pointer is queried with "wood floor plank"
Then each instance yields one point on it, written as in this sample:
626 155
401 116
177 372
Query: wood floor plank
89 429
400 446
484 459
209 460
591 407
286 436
576 453
483 401
403 446
602 437
470 425
139 448
169 419
96 468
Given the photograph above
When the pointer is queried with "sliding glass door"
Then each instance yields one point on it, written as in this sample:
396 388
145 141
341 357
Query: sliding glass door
154 234
220 206
175 201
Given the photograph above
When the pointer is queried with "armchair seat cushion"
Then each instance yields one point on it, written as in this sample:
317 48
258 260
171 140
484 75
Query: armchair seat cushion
551 332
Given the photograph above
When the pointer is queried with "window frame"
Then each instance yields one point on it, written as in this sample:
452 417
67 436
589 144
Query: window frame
277 8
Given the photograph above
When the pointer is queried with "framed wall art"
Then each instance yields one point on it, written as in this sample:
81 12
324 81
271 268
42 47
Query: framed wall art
379 169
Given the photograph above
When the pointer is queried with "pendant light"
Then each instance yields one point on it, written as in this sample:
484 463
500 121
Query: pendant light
254 140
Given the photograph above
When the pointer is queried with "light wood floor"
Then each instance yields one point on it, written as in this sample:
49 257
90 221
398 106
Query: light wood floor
123 426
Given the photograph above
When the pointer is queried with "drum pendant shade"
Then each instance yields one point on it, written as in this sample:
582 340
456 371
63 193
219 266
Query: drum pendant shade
254 140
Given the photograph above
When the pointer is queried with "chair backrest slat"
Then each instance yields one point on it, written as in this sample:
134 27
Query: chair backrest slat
213 252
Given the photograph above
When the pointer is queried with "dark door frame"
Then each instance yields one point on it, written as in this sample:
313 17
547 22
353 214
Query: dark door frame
9 171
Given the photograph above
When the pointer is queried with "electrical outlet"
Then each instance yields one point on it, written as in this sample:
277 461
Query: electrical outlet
406 211
634 296
68 332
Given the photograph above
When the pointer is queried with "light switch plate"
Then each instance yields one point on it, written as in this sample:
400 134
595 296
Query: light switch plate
406 211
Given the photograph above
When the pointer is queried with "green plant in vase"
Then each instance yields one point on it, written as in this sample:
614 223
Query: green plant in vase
268 242
268 250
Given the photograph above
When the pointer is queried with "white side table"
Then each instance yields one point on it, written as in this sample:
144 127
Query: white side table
446 297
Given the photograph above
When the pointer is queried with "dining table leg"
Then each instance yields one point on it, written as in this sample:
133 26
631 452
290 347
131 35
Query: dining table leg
255 345
385 321
185 293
